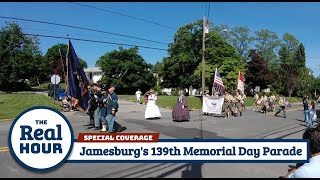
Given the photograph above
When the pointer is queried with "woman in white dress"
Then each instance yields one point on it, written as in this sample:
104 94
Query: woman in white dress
152 110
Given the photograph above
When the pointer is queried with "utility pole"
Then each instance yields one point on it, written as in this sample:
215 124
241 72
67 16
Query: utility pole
203 52
203 69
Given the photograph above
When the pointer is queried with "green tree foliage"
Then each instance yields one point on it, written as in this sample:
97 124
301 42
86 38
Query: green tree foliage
18 54
267 43
290 42
182 68
289 75
258 73
221 55
83 63
223 31
55 64
240 39
184 57
138 73
157 68
305 74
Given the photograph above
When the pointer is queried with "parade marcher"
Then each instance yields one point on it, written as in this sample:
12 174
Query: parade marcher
138 94
152 110
112 109
181 111
97 118
216 94
272 100
238 100
264 104
92 106
232 105
226 104
282 107
102 101
243 98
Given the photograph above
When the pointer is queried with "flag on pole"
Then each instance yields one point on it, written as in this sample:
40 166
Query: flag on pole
240 82
77 86
217 82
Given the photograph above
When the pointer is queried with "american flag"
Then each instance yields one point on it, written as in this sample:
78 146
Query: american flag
217 82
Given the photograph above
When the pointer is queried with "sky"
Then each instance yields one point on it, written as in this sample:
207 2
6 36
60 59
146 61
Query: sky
299 19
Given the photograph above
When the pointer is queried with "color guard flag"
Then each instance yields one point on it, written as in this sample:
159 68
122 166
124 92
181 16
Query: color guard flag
77 79
240 82
217 82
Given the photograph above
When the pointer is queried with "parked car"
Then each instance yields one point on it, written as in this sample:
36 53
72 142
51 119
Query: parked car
60 93
51 88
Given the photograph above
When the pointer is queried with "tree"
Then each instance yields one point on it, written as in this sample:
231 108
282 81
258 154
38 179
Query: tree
182 68
289 75
222 31
267 42
83 63
221 55
240 39
138 73
258 73
184 57
157 67
55 64
17 56
299 62
290 42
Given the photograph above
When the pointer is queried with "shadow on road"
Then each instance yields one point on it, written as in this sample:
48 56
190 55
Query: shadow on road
191 171
146 170
283 136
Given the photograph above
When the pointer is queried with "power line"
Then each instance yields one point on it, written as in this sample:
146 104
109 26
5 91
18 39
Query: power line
93 7
65 32
87 40
77 27
209 10
205 12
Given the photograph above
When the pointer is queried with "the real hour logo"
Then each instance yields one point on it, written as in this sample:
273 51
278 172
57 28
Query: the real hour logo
40 138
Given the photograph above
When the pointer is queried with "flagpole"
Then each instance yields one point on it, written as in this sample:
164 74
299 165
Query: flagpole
214 80
67 65
238 80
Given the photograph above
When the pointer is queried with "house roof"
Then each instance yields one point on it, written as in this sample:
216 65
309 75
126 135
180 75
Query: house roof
93 69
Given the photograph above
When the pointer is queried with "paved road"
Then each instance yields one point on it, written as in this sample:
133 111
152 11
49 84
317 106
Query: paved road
251 125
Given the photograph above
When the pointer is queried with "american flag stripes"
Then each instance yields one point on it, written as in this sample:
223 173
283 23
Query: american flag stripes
217 82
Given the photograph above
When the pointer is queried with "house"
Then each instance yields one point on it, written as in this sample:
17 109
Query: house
93 74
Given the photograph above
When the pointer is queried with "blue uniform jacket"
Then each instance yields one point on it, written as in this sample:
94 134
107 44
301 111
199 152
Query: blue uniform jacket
103 109
112 103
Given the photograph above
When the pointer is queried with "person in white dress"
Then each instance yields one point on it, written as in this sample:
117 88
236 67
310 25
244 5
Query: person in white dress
152 110
138 94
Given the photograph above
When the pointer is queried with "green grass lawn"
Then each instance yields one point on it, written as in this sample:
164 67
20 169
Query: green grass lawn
193 102
11 105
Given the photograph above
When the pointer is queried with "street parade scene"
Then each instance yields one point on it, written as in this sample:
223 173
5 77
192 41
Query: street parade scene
197 71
